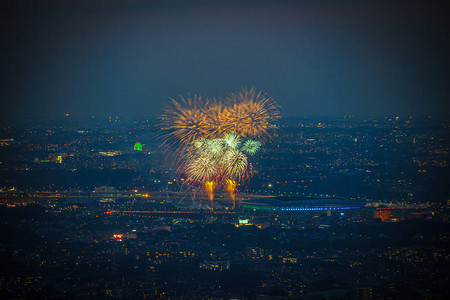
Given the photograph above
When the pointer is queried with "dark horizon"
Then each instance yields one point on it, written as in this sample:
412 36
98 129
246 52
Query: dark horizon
77 120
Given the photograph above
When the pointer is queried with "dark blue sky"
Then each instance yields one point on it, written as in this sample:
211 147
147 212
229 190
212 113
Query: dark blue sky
127 57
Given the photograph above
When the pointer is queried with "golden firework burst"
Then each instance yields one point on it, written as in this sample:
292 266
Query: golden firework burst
246 114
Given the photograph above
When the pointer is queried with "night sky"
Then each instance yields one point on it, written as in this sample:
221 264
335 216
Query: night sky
128 57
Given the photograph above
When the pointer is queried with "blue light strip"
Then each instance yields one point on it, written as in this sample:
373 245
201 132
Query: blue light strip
293 208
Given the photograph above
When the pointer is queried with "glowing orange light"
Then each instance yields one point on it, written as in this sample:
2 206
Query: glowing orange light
117 236
230 186
209 187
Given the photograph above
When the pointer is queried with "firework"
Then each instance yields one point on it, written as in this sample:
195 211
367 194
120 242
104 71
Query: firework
252 113
183 122
217 158
200 169
245 114
251 147
207 136
235 164
231 140
213 147
218 161
217 119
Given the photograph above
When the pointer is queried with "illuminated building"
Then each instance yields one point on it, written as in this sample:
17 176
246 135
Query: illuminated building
104 189
117 236
123 236
382 214
243 222
215 265
138 147
110 153
254 253
6 142
290 260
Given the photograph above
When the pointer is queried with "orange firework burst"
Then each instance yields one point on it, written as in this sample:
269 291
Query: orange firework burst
247 114
252 114
184 121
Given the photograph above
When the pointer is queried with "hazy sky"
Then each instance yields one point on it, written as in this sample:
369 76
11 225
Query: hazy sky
127 57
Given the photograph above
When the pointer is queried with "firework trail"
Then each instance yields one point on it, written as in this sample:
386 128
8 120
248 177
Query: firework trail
230 186
209 187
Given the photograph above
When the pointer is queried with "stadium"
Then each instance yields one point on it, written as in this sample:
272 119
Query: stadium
287 204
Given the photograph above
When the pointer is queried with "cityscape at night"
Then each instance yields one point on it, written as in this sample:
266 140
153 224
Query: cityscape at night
337 207
224 150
